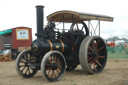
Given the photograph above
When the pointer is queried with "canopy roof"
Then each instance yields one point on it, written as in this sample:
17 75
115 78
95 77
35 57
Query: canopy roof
70 16
5 32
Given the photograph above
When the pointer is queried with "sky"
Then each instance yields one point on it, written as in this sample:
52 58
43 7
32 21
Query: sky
15 13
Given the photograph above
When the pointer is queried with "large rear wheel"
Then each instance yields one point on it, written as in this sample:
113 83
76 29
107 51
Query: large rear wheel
93 54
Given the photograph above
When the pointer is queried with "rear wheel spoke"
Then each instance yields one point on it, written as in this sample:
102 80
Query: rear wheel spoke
95 67
101 57
100 49
98 63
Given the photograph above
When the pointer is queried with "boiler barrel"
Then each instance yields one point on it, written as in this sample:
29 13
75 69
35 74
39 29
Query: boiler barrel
59 45
43 46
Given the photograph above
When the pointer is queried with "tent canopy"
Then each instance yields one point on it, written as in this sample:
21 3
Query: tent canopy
5 31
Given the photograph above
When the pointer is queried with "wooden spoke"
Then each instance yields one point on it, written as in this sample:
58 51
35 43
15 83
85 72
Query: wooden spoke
93 44
22 61
26 71
100 49
29 71
48 68
28 56
95 67
90 48
23 69
98 62
53 74
97 43
25 58
89 53
57 71
50 61
101 56
46 64
22 65
58 60
49 71
59 67
91 62
55 59
90 58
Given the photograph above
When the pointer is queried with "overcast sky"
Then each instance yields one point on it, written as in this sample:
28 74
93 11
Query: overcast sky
15 13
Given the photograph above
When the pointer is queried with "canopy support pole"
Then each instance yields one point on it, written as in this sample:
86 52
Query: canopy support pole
99 27
92 30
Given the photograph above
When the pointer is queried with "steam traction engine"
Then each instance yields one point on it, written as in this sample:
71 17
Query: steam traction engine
56 50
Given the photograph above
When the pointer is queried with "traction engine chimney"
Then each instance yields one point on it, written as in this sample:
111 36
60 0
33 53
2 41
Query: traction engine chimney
40 22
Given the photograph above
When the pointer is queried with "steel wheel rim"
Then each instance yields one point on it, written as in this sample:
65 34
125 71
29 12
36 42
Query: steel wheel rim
97 55
24 64
54 67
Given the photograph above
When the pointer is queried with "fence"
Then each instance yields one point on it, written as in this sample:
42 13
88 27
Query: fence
117 52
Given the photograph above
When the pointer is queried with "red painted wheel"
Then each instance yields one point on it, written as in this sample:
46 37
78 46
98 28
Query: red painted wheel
53 66
93 54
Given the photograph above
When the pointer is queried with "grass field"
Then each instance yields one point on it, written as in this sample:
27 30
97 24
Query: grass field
122 54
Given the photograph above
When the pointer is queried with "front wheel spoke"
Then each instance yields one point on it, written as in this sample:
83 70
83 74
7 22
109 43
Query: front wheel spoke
55 59
48 68
89 53
50 61
98 62
57 71
90 58
90 48
49 71
58 60
26 70
53 74
59 67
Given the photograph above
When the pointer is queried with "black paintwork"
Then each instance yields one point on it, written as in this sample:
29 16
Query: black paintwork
68 43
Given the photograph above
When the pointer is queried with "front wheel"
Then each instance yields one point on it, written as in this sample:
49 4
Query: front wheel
53 66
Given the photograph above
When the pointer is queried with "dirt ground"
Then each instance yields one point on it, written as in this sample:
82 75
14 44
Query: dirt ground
115 73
